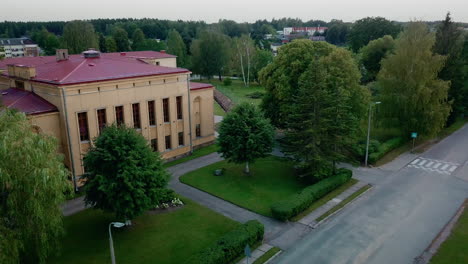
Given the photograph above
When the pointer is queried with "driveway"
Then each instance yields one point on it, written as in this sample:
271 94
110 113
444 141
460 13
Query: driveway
399 217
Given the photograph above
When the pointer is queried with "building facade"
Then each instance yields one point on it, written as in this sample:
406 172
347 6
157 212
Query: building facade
74 97
18 47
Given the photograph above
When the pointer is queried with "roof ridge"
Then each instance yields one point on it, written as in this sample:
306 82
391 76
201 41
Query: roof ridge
76 68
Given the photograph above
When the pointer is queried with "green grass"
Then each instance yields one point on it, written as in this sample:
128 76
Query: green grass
237 92
452 128
196 154
171 237
218 110
325 199
271 179
455 248
265 257
343 203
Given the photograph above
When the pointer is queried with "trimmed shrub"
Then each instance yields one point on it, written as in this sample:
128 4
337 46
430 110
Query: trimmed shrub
386 147
227 81
295 204
359 149
231 245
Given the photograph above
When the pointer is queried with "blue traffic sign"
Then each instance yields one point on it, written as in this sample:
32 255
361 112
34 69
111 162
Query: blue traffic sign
414 135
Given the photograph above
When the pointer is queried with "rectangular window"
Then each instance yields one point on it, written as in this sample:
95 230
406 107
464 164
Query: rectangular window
83 125
168 142
152 113
154 144
181 138
198 130
102 119
166 110
119 115
179 107
136 115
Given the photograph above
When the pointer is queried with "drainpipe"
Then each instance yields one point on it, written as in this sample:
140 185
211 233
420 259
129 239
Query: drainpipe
190 113
69 138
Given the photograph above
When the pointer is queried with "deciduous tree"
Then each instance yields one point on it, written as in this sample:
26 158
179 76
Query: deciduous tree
245 135
370 28
138 39
33 181
176 46
79 36
372 54
123 175
413 97
121 39
211 54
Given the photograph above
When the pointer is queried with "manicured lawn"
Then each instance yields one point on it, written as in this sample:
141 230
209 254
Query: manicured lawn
325 199
343 203
171 237
455 248
272 179
218 110
237 92
196 154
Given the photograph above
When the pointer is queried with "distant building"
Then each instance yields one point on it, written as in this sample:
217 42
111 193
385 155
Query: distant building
310 31
317 38
18 47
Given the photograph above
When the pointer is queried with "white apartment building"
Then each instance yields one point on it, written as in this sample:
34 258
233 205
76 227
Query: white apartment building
18 47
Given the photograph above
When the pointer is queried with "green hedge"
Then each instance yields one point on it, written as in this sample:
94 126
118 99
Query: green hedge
231 245
386 147
286 209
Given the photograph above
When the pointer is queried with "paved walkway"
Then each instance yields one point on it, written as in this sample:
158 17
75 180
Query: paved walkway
310 218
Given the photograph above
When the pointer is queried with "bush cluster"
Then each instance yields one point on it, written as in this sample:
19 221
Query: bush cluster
386 147
227 81
359 149
295 204
231 245
255 95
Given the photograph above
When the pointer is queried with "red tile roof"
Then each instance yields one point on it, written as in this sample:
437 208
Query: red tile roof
27 102
109 66
198 86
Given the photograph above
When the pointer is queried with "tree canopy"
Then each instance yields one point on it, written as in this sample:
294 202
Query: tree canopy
121 39
370 28
176 46
33 181
326 109
412 95
281 77
210 54
372 54
245 135
79 36
123 175
138 38
449 42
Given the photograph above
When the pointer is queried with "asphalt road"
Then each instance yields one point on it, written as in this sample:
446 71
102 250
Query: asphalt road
399 217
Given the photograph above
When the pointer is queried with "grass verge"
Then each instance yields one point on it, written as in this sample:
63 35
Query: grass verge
218 110
271 179
455 248
325 199
171 237
265 257
343 203
237 92
196 154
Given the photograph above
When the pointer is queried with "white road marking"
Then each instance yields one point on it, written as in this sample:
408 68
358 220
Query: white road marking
429 164
444 167
452 168
415 161
437 165
422 162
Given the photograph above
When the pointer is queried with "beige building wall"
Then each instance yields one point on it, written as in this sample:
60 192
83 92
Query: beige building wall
166 62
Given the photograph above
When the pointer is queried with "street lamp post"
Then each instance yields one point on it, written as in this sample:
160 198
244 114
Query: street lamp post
368 130
118 225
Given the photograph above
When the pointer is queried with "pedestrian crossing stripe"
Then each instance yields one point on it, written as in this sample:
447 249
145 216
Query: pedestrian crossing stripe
438 166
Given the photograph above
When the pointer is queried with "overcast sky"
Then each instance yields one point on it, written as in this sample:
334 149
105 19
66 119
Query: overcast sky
238 10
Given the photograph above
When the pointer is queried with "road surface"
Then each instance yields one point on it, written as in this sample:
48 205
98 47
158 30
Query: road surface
399 217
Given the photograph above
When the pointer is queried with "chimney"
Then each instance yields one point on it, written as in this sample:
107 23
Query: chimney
162 51
61 54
